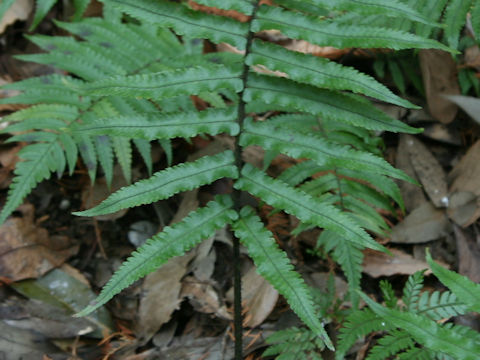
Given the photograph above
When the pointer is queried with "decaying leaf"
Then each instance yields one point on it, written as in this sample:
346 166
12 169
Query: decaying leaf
466 174
428 171
464 208
27 250
378 264
468 253
439 77
20 10
423 224
468 104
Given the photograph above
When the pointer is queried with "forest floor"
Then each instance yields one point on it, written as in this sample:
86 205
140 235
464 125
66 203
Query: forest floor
52 263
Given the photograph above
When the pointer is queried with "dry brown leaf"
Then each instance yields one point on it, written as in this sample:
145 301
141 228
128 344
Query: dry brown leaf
423 224
259 298
27 251
378 264
441 132
413 195
468 253
464 208
204 298
428 171
439 77
465 176
20 10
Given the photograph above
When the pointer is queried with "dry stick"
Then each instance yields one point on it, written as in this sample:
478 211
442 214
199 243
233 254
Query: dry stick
237 276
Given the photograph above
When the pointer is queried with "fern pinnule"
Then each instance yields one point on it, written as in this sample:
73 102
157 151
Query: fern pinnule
438 305
273 264
173 241
391 344
165 183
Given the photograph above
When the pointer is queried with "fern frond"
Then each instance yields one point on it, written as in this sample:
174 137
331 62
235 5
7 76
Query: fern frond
411 290
390 344
123 151
301 205
440 305
103 145
294 343
152 126
165 183
272 263
393 8
427 332
416 353
42 7
455 18
298 173
185 21
320 72
336 106
173 241
167 84
357 325
324 33
323 152
461 286
44 112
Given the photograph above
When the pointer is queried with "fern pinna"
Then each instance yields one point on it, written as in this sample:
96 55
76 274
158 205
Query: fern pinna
135 82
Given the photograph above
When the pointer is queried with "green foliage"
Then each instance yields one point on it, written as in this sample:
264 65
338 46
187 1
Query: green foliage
132 83
414 322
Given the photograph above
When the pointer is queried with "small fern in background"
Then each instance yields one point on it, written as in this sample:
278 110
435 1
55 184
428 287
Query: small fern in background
133 84
416 329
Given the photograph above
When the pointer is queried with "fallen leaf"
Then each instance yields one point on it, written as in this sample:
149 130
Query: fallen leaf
378 264
468 254
439 73
423 224
412 194
27 251
468 104
428 171
67 289
466 174
204 298
441 132
259 298
19 11
464 208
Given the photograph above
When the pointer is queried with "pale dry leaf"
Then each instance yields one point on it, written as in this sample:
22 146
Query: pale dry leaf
464 208
439 74
466 174
428 171
468 254
468 104
20 10
425 223
378 264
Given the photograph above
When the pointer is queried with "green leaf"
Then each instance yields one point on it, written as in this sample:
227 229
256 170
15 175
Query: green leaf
325 33
323 152
243 6
332 105
455 18
167 84
173 241
152 126
304 207
185 21
461 286
165 183
320 72
42 7
427 332
273 264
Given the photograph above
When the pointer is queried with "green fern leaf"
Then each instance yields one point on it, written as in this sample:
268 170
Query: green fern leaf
411 290
298 173
324 33
324 153
42 7
390 344
123 151
306 208
348 108
167 84
184 21
80 7
427 332
273 264
173 241
461 286
294 343
165 126
358 324
103 145
440 305
416 353
320 72
87 151
165 183
145 150
475 18
44 111
71 151
455 18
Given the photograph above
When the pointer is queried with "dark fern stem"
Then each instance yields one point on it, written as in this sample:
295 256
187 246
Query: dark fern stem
237 276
